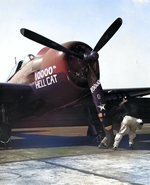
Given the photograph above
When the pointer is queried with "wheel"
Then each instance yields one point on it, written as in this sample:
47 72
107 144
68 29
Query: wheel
5 132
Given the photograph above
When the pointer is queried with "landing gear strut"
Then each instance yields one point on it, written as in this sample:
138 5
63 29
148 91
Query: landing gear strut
5 130
95 127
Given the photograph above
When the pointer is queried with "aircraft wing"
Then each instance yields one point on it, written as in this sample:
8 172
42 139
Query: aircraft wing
10 93
130 92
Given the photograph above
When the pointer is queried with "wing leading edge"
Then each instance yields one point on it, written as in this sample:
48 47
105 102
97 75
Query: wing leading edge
130 93
10 93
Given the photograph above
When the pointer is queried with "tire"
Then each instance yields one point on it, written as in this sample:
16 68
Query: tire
5 132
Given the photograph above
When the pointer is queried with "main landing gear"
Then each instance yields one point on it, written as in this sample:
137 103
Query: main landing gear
95 127
5 129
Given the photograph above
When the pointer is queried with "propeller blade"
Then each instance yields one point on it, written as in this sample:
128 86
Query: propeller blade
47 42
100 104
96 90
108 34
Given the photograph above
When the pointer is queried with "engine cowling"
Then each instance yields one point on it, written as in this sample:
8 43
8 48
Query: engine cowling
78 67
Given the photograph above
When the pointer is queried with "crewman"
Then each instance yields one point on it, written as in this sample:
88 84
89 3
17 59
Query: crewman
124 120
115 117
129 124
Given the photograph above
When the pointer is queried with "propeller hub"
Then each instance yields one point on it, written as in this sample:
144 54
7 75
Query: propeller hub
92 57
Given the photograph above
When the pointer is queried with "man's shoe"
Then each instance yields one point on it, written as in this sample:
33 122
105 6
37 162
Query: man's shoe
131 146
102 146
114 148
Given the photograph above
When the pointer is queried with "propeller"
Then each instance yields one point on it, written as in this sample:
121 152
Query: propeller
89 59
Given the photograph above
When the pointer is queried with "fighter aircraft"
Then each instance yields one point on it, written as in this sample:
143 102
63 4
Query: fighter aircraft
57 77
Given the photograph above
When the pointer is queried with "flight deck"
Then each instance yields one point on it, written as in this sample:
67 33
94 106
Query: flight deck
44 156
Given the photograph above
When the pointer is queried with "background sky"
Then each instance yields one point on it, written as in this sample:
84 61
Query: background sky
124 60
